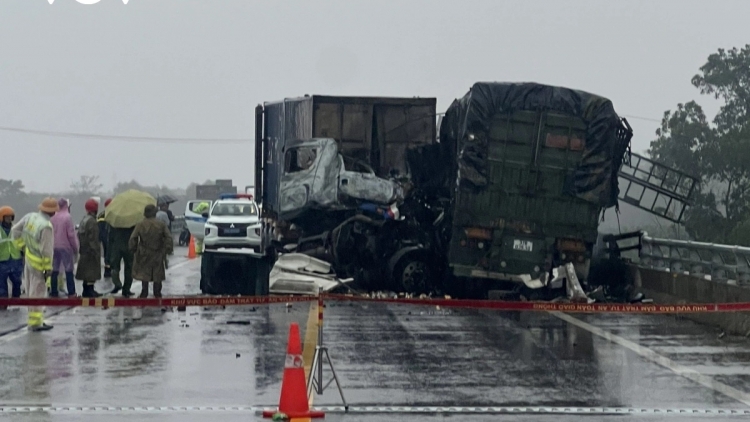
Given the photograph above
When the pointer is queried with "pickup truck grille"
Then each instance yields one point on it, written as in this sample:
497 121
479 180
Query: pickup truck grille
226 229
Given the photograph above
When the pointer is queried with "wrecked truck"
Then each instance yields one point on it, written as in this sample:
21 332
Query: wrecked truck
528 169
508 199
332 175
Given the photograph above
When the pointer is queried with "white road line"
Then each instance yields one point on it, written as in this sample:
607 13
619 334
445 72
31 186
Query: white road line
23 331
393 410
658 359
181 264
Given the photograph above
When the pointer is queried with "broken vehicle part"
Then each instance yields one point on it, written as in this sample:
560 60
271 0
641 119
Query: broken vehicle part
296 273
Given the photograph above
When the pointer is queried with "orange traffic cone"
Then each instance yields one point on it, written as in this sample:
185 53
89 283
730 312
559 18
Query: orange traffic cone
293 402
191 248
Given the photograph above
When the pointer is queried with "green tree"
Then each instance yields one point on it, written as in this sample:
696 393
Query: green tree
86 186
123 186
11 189
718 151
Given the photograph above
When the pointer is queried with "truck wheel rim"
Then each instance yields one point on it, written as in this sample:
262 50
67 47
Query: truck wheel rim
413 276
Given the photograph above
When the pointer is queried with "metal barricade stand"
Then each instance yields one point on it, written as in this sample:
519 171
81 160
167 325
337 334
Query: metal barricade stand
321 352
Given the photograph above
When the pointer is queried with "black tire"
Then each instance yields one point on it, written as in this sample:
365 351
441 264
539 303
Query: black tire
184 238
413 274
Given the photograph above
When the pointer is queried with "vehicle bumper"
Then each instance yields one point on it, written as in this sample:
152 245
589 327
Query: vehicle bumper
232 242
527 279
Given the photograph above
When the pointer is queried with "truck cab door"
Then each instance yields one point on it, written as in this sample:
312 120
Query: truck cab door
195 221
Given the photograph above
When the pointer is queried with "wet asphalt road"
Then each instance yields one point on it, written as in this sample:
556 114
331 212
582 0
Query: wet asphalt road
384 355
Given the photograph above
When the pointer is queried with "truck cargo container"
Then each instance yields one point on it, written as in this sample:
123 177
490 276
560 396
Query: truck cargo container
529 169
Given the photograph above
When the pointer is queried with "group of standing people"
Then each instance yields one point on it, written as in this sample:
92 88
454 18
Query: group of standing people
42 245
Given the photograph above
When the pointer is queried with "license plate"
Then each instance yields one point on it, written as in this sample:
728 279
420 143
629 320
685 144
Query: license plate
523 245
231 231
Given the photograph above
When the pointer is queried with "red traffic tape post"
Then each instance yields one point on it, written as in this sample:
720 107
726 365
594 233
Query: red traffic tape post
207 301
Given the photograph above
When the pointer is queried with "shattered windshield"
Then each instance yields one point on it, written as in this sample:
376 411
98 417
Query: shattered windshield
299 159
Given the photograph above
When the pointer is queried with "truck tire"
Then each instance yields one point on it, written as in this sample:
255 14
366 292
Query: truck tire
413 274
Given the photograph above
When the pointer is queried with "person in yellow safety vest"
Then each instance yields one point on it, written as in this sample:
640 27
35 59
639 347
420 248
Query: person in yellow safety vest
11 262
34 235
200 209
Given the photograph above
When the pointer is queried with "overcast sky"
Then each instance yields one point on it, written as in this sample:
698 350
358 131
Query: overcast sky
196 69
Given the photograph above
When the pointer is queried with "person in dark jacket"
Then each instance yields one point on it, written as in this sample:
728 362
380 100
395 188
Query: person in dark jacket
150 244
89 261
104 238
118 252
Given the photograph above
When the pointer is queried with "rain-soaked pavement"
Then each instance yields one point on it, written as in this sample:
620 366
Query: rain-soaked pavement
384 354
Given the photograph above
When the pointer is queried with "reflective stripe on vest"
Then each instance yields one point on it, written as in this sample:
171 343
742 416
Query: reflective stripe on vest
8 248
32 236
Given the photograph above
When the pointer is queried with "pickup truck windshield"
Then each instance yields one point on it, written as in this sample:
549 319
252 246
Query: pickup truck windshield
223 210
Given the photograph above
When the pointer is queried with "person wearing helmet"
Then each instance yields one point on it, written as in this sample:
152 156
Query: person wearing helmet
34 234
11 262
104 238
89 262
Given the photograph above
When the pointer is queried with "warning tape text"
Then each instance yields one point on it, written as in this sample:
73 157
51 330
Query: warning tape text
208 301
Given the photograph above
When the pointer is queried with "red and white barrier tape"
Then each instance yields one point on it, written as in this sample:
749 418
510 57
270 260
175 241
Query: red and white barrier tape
499 305
110 302
614 308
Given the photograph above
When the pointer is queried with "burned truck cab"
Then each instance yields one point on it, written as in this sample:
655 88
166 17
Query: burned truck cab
331 173
315 176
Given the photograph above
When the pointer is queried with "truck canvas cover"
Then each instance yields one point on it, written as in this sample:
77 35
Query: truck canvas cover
465 129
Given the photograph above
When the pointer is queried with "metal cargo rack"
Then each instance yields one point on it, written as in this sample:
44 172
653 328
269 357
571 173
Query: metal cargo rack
656 188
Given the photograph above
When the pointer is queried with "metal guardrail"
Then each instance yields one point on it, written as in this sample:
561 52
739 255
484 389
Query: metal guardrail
723 263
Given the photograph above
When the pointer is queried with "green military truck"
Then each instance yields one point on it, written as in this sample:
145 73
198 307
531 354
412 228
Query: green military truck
533 168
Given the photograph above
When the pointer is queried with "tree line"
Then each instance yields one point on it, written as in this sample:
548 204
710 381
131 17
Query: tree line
716 150
14 194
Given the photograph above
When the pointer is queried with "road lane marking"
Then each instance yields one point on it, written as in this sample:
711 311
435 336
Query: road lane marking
22 331
658 359
392 410
7 338
180 264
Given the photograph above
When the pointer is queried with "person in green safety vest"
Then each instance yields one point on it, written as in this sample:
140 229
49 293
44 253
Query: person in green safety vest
11 262
200 209
34 235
